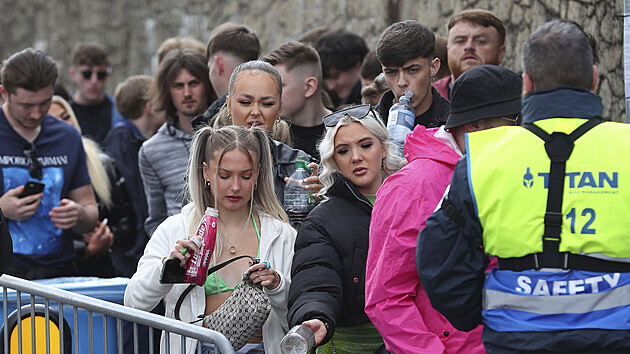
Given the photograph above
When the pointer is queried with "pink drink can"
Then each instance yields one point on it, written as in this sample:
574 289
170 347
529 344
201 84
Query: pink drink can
197 267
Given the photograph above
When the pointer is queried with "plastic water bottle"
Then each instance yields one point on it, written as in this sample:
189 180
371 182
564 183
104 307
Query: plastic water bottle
297 201
400 121
299 340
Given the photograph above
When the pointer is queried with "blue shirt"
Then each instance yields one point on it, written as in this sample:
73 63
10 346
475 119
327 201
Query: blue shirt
36 241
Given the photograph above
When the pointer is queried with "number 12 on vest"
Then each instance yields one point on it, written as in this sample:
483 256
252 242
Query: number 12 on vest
586 229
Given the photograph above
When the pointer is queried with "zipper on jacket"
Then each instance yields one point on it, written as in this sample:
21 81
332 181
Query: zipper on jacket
356 196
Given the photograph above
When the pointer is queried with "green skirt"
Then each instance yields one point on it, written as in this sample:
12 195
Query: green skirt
356 339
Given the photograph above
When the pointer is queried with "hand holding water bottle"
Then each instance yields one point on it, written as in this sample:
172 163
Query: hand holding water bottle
299 340
298 201
401 121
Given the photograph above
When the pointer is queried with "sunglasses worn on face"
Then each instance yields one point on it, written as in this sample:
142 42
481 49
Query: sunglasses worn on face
101 74
358 112
34 167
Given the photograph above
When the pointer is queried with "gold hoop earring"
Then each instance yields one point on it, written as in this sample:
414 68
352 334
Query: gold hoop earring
207 184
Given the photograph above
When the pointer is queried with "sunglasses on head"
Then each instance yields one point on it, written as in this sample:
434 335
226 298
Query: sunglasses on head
100 74
34 167
358 112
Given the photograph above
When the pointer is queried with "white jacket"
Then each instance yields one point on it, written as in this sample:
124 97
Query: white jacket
145 291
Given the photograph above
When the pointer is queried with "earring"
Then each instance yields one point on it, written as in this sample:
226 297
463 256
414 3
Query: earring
229 117
207 184
278 119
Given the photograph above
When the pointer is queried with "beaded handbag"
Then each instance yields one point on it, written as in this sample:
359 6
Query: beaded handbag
242 314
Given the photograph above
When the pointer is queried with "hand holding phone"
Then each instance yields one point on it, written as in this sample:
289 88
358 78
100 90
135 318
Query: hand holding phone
21 202
30 188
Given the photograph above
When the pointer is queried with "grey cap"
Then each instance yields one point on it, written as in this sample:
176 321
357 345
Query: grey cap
484 91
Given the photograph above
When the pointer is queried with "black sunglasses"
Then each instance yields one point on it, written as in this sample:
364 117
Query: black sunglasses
101 74
34 167
358 112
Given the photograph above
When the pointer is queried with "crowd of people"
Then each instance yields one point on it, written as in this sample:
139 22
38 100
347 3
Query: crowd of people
472 242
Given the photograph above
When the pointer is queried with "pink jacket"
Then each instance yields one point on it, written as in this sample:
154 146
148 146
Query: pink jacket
395 300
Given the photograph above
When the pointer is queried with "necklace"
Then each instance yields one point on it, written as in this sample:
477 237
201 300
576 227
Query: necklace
233 249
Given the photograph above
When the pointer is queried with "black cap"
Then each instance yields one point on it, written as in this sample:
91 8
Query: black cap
484 91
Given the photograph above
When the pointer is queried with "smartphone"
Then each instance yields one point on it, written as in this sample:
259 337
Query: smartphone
30 188
172 272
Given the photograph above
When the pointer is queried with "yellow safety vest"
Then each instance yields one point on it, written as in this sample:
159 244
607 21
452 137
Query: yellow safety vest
508 171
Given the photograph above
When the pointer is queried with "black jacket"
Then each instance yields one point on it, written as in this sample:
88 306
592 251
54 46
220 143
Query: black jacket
434 117
284 158
122 144
204 119
328 271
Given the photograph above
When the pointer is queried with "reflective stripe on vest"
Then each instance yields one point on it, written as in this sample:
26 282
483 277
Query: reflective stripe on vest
508 176
556 301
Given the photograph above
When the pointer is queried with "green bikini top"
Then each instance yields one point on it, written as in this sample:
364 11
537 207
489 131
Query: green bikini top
214 284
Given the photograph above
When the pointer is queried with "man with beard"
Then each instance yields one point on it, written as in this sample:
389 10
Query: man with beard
475 37
182 89
548 200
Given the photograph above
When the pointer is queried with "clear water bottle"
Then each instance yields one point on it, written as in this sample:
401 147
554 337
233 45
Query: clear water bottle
297 201
299 340
400 122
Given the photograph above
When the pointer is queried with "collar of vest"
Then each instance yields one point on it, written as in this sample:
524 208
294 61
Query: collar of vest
561 102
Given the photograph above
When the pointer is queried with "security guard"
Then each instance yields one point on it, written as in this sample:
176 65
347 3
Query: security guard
551 201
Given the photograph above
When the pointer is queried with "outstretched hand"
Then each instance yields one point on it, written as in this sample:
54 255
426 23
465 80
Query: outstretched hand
318 328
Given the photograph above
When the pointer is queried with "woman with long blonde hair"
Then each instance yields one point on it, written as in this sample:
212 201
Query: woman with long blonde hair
230 169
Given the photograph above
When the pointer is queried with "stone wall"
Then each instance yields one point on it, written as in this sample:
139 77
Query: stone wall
133 29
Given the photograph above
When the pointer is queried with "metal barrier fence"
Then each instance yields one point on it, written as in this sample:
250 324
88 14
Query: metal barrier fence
32 290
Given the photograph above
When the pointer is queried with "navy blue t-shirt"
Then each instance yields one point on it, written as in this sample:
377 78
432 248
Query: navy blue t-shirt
36 241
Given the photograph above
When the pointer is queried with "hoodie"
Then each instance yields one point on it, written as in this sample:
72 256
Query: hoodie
395 300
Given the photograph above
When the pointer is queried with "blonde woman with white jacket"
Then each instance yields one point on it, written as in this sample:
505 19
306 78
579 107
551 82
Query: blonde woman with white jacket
230 170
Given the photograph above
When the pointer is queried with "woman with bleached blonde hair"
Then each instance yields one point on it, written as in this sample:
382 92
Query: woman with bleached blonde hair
230 169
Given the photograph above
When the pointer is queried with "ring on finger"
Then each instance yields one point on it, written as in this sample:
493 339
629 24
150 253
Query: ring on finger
267 264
